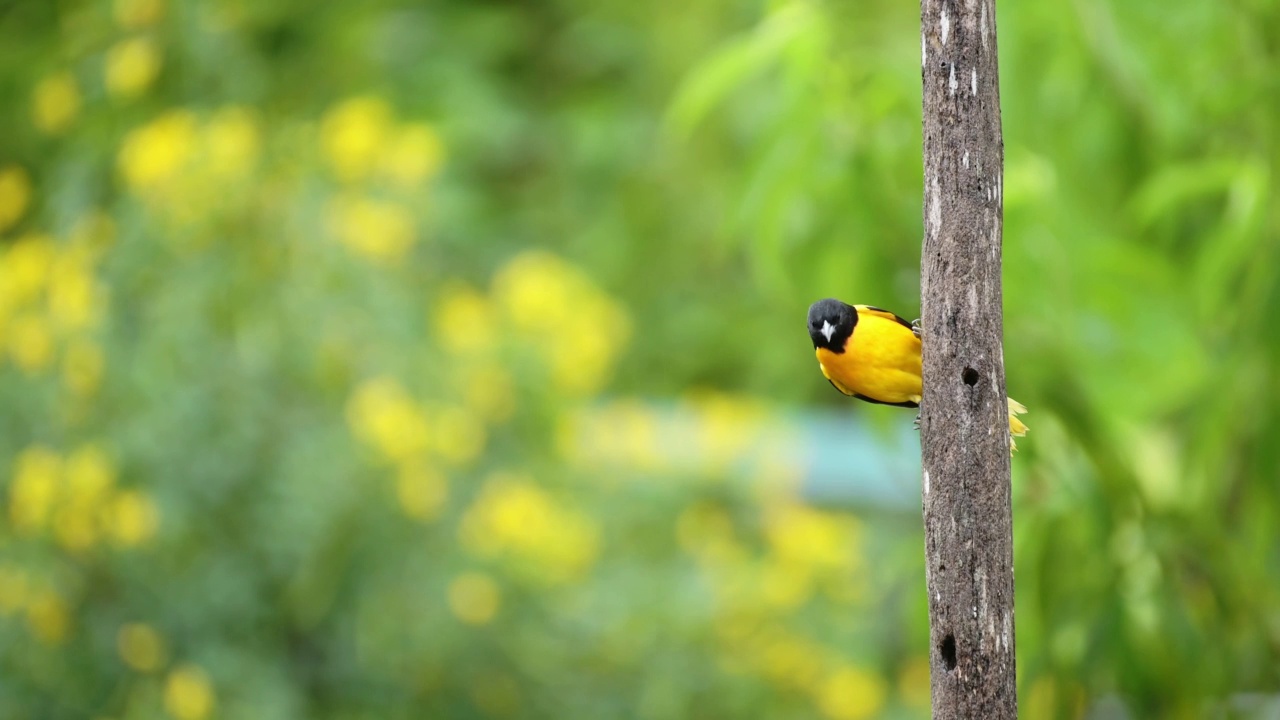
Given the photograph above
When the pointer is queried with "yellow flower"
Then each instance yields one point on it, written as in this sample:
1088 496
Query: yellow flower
516 518
15 193
24 270
89 478
48 618
581 358
851 693
811 538
790 661
82 364
155 153
13 589
31 343
132 518
474 598
578 329
56 103
383 416
353 133
188 694
465 321
90 474
421 491
459 435
135 14
380 230
37 475
74 527
537 291
132 65
73 295
232 140
140 647
413 155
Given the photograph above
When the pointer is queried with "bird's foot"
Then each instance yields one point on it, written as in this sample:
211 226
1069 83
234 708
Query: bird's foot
916 423
915 327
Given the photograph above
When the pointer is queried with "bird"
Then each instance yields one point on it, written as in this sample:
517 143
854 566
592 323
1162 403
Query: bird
874 355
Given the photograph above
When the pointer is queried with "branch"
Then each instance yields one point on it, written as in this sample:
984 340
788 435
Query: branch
964 418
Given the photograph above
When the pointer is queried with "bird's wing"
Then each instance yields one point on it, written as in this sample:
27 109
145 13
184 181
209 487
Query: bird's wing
881 312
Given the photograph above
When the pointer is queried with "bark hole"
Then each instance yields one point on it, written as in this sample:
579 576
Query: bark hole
948 650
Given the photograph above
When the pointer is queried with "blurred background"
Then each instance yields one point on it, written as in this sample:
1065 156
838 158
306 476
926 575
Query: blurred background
447 360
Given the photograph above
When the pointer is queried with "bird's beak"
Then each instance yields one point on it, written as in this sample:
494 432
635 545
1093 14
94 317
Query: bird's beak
828 330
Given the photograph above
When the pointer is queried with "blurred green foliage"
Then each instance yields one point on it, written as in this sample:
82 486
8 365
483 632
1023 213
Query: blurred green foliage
331 336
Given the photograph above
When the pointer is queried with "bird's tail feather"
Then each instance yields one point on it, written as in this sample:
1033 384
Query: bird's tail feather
1016 427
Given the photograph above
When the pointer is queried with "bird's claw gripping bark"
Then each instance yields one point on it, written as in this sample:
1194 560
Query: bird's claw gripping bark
915 327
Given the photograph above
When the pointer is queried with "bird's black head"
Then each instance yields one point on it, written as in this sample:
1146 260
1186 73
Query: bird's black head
831 323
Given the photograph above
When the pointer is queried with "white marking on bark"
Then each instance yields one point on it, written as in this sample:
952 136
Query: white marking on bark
973 83
983 23
946 25
924 51
965 160
952 84
926 482
935 207
981 576
1004 635
1000 189
973 299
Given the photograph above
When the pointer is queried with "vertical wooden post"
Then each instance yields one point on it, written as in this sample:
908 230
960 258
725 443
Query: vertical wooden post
964 418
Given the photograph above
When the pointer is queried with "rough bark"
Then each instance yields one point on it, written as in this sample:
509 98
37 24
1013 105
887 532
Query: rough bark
964 425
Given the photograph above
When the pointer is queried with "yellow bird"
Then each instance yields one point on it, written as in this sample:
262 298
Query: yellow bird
874 355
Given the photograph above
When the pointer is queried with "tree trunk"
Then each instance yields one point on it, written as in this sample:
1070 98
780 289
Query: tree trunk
964 417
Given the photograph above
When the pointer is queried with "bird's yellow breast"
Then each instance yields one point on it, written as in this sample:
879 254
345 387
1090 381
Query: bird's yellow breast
881 361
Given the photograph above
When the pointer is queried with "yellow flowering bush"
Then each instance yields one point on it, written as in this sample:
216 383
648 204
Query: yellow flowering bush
75 499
